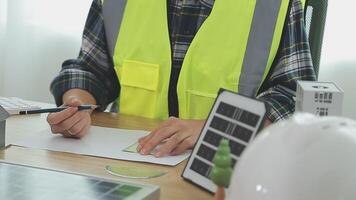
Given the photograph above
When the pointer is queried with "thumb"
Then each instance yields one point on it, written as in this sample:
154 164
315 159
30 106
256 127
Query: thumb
73 102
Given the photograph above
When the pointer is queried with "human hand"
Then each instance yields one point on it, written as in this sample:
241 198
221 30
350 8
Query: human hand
70 122
219 194
266 123
178 136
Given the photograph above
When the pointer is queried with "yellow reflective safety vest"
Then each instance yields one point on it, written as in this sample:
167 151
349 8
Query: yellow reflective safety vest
234 49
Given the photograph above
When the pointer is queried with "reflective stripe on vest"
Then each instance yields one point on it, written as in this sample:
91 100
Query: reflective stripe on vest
113 11
233 49
259 45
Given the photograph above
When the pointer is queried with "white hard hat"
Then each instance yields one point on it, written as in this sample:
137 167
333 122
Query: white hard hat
303 158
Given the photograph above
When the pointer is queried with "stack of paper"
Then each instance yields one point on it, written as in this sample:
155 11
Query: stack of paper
101 142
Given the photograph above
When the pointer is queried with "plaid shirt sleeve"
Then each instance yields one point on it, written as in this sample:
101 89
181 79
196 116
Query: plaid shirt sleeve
293 62
93 69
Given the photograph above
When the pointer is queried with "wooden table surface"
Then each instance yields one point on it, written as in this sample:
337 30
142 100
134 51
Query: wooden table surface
172 185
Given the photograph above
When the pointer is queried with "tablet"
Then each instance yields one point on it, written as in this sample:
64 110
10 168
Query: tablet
234 117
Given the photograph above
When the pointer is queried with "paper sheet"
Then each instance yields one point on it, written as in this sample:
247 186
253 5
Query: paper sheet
101 142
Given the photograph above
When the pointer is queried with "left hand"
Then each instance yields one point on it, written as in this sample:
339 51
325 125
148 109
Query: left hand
179 135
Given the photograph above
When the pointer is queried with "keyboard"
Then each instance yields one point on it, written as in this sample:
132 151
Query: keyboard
14 105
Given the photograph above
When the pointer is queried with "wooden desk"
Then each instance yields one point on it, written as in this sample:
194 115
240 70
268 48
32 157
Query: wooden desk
172 185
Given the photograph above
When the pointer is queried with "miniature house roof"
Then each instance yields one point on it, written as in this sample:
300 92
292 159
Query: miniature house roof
3 114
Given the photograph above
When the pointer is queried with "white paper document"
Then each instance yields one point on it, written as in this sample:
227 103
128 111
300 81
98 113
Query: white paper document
101 142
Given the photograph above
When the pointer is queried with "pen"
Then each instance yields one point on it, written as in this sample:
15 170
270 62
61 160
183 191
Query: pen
51 110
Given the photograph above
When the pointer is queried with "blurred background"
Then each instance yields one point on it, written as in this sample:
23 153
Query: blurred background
36 36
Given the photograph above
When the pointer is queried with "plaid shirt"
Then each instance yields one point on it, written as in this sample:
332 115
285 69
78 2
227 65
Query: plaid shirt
93 69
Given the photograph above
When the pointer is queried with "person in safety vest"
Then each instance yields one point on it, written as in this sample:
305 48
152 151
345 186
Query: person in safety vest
167 59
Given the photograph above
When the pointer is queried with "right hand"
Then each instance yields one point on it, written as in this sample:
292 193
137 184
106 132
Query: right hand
70 122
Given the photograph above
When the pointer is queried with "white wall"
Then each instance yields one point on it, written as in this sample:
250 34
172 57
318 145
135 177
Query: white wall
3 19
39 36
338 61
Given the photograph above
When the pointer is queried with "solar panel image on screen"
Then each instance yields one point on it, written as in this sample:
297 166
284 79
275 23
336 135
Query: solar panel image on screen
21 182
233 117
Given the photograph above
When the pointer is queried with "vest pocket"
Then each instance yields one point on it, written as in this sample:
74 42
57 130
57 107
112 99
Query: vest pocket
199 104
139 82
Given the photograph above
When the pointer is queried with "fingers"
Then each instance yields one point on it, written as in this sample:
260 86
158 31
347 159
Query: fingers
179 135
148 137
183 146
73 102
84 131
68 123
78 130
67 134
156 138
171 144
57 118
